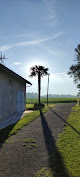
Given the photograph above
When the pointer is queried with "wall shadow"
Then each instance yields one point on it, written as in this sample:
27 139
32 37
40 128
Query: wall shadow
55 159
4 133
7 127
64 121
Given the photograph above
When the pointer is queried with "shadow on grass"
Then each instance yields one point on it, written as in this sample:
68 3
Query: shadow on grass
55 159
64 121
4 133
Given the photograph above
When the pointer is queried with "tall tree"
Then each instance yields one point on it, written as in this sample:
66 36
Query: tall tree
74 70
39 71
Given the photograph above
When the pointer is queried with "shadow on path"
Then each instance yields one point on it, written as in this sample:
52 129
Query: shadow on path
55 160
64 121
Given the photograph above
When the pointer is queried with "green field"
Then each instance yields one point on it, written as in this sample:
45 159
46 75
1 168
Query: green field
52 100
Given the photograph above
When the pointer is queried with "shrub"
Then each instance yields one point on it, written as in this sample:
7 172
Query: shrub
38 106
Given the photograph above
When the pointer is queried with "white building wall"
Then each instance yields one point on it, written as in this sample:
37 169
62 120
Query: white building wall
8 95
0 104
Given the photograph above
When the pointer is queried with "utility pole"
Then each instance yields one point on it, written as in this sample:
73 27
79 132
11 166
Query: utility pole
47 89
2 58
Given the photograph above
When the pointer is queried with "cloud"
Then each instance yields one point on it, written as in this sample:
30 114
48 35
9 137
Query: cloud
52 16
50 5
30 42
29 35
17 63
38 41
63 74
6 47
55 52
14 64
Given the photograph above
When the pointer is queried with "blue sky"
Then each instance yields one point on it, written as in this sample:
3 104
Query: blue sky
41 32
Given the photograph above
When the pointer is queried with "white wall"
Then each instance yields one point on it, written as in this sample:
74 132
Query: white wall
8 90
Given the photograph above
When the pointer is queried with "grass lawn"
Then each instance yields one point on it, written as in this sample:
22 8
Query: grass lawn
29 106
69 143
14 128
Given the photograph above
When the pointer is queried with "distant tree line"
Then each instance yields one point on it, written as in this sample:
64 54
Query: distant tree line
35 95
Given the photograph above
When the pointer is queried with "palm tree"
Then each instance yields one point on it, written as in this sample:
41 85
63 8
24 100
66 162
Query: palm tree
40 71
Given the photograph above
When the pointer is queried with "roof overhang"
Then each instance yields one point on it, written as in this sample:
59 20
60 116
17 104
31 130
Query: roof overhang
12 73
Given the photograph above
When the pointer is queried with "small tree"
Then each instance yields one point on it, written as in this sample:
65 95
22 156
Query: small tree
74 70
39 71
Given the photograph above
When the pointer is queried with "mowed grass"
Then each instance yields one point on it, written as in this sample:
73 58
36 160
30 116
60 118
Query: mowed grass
69 143
66 155
14 128
52 100
29 106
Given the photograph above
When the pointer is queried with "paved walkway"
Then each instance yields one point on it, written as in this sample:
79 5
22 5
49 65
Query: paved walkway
17 160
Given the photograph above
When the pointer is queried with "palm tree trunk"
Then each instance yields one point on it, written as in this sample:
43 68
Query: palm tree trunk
39 87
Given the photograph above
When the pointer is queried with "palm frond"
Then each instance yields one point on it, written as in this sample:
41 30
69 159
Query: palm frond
35 70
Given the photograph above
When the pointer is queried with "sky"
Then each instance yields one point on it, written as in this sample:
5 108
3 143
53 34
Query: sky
41 32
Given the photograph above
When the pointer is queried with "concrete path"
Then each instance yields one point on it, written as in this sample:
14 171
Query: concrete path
17 160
